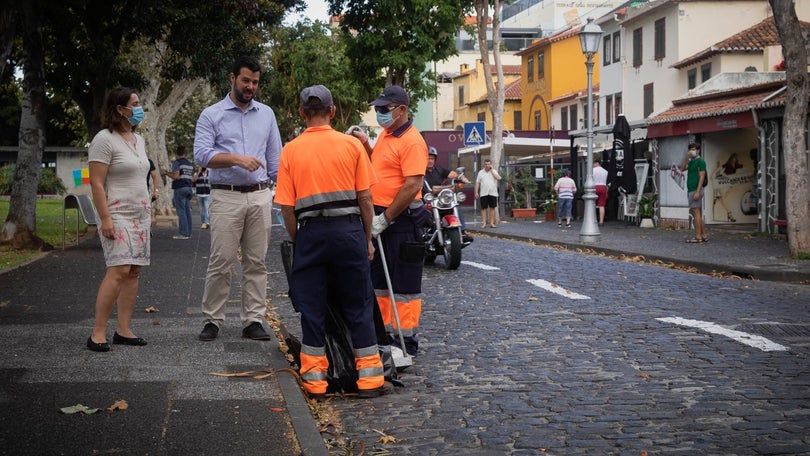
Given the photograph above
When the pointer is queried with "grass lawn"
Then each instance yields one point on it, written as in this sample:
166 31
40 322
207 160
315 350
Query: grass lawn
49 228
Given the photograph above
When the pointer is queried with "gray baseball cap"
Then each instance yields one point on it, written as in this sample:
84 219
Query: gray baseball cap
317 97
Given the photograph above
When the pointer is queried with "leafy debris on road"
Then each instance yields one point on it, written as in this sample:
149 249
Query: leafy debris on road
78 408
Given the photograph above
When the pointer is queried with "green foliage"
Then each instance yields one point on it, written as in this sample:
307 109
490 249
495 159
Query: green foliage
646 205
393 41
308 54
49 182
524 186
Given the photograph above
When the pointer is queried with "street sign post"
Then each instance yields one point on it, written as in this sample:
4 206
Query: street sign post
475 133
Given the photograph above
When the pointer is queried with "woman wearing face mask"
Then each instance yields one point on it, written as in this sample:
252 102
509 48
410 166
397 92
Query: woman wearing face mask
118 167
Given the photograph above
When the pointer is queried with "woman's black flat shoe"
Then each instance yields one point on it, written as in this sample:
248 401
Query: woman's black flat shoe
102 347
118 339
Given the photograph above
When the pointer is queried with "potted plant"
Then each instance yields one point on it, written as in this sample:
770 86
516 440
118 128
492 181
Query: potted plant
524 185
548 205
646 208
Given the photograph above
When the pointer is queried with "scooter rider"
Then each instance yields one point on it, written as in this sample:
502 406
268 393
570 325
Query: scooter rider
399 159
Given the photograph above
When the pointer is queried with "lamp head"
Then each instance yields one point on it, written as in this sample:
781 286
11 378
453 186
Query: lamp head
589 38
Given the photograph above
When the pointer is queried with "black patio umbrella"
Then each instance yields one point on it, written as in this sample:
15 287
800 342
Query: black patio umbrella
622 172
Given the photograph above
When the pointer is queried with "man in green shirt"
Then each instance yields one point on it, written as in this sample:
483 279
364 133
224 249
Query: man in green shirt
695 166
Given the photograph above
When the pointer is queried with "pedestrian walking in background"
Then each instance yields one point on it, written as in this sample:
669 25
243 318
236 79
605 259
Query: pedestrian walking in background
695 168
565 188
203 188
181 174
399 159
600 177
237 139
323 188
117 163
486 190
150 178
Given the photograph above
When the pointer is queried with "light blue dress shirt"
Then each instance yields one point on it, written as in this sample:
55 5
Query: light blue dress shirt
224 128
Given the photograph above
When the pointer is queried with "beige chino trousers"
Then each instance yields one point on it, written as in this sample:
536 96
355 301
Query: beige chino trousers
238 220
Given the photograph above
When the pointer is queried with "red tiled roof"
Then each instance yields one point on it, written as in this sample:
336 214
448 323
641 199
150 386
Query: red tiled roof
575 95
754 38
512 91
759 96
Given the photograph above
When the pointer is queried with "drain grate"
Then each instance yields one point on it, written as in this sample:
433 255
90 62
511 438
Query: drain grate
777 329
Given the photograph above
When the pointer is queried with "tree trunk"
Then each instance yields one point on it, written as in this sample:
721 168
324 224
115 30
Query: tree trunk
495 90
795 126
159 116
20 226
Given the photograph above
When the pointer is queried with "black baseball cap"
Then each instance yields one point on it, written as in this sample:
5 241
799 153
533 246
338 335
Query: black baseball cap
392 94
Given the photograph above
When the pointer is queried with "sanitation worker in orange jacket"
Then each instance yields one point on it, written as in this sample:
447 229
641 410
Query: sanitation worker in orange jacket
399 158
323 189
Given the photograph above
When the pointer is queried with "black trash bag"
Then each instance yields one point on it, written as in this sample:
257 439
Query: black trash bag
342 374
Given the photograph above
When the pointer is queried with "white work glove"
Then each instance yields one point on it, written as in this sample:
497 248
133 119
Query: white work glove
378 224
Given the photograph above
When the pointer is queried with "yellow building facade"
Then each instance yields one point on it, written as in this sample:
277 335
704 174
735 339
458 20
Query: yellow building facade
554 76
470 102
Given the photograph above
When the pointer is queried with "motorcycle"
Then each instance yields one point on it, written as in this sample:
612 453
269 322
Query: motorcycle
444 234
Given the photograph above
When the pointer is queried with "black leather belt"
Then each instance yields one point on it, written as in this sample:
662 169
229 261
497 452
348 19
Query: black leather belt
339 218
243 188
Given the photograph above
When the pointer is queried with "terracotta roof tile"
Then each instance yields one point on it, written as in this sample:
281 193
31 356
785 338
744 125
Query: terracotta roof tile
754 38
512 91
760 96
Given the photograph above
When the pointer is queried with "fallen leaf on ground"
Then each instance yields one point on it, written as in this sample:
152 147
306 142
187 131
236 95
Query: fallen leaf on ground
533 298
78 408
118 405
151 309
644 375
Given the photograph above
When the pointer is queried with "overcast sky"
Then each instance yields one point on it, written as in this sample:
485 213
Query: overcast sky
316 10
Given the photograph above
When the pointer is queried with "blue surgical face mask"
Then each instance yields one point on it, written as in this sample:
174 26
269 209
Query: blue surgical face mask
385 120
693 154
137 115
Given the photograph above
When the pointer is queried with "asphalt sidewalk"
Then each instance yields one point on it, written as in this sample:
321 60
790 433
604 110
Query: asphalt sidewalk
176 405
732 249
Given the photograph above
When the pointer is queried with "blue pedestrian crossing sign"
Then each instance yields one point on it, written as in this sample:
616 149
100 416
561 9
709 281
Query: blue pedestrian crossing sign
475 133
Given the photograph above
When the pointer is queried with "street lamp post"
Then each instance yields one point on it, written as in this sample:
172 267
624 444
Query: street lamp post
589 39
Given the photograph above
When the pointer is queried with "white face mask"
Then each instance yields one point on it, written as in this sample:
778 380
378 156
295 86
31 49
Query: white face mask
693 153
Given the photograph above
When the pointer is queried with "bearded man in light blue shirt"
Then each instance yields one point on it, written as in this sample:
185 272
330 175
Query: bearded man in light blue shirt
238 140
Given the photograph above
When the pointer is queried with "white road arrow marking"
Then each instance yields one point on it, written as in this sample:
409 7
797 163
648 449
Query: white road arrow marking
554 288
751 340
485 267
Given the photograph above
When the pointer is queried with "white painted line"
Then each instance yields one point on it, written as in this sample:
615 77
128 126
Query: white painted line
751 340
485 267
554 288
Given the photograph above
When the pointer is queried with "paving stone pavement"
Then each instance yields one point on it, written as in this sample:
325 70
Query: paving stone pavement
508 369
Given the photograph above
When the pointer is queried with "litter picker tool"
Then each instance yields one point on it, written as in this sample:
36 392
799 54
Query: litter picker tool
406 360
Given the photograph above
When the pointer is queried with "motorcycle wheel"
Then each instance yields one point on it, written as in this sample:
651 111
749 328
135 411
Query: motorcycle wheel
452 249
